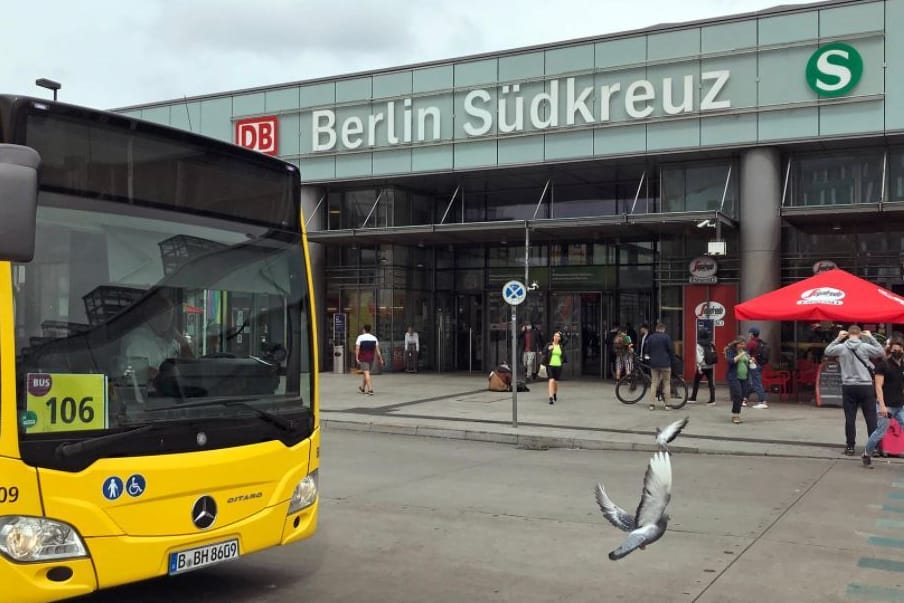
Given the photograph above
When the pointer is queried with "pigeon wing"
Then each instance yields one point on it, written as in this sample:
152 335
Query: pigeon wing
657 491
671 432
636 538
615 514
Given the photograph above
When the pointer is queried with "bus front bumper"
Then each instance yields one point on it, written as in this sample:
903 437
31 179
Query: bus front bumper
119 560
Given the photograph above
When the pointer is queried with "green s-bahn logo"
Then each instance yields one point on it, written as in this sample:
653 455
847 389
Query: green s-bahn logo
835 69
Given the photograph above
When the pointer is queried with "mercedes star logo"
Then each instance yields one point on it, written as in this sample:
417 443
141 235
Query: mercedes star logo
204 513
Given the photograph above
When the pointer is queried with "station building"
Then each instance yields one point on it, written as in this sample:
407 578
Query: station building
659 174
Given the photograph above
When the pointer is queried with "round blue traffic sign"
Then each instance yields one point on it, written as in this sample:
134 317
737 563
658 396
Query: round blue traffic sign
514 292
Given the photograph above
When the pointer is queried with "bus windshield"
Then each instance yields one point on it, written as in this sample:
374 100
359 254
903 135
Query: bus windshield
157 297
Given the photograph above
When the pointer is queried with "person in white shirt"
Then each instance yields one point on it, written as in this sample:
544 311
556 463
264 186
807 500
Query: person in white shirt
156 340
412 350
367 351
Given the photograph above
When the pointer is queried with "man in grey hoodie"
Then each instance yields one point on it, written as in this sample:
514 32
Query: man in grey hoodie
854 349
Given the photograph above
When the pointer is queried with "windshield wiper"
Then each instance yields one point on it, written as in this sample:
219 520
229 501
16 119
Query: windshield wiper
269 417
95 443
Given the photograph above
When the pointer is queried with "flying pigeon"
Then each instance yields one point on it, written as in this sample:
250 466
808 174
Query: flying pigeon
665 436
651 520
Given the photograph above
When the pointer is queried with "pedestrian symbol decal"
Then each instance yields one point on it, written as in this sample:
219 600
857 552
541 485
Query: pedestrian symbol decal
112 488
514 292
135 485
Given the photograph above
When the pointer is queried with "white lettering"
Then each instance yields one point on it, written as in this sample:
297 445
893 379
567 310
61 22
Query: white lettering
372 121
391 137
577 104
400 121
406 123
502 106
687 103
328 128
551 101
634 95
352 127
709 102
422 115
485 116
606 93
843 74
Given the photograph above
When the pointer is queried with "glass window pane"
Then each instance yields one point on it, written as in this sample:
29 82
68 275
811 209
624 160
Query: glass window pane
673 189
581 200
896 175
838 179
704 186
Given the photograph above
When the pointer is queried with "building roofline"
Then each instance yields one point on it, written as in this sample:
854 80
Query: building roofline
659 28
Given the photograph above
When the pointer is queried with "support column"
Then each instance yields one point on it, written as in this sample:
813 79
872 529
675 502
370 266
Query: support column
761 234
309 197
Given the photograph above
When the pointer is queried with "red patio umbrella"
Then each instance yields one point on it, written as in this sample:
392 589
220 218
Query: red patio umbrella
831 295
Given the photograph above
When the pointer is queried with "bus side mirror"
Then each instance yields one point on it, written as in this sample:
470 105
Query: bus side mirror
18 202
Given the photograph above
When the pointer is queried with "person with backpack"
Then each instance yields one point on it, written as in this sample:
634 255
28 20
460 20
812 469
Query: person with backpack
758 352
707 357
624 354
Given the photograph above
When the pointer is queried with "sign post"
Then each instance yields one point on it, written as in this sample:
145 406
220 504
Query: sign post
514 293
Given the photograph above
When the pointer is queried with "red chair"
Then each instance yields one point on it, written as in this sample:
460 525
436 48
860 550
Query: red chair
807 371
776 381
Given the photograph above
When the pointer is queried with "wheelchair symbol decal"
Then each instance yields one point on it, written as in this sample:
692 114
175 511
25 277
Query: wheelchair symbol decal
136 485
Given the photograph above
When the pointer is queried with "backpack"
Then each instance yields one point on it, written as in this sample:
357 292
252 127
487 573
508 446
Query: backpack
761 353
620 343
710 356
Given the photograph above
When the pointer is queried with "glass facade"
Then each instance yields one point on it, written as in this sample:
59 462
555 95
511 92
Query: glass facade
620 197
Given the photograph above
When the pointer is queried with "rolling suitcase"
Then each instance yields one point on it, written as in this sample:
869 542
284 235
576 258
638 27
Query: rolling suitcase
893 440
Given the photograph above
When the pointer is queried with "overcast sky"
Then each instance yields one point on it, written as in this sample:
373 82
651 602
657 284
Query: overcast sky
113 53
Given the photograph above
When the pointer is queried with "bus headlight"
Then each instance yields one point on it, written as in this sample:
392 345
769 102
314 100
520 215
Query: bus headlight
305 493
38 539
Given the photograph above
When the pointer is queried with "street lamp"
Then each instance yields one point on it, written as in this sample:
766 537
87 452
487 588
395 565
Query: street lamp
43 82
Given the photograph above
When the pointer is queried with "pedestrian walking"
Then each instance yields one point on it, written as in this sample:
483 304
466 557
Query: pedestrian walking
738 365
758 353
531 343
705 360
854 348
412 350
889 394
554 357
661 351
367 352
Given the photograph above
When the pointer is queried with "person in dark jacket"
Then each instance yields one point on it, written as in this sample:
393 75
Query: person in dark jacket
661 351
890 395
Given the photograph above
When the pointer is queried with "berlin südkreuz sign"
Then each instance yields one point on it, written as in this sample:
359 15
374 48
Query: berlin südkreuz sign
513 111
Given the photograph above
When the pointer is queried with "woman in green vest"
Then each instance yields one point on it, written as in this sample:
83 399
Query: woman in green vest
554 357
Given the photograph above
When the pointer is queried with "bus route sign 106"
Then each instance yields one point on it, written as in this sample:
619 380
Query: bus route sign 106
65 402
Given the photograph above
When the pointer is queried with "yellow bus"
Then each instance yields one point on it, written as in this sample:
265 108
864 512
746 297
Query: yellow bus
158 382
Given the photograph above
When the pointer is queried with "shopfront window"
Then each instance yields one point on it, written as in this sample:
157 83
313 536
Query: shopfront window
837 179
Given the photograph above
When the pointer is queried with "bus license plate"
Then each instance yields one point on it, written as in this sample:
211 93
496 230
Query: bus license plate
202 556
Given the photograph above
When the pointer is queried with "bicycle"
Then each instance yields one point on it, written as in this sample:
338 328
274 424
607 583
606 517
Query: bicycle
634 386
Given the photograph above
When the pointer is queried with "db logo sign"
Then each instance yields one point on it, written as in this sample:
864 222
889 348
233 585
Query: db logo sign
258 134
